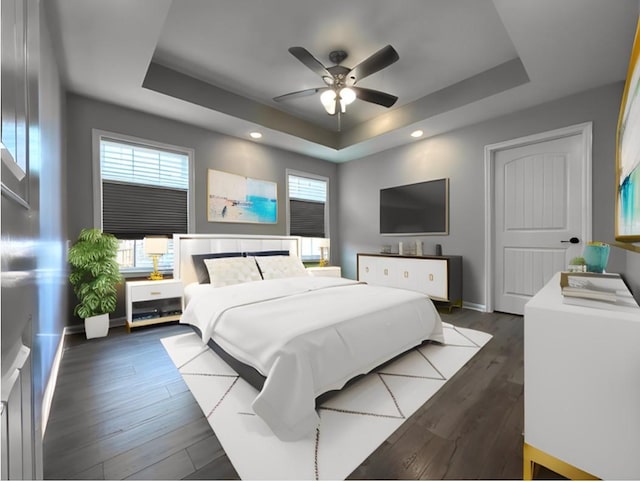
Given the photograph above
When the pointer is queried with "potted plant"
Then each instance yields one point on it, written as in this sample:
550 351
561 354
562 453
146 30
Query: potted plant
577 264
94 276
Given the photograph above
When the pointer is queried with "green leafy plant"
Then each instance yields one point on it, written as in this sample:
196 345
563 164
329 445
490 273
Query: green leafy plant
579 260
94 272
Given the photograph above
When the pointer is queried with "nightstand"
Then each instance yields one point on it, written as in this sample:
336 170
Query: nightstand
325 271
152 302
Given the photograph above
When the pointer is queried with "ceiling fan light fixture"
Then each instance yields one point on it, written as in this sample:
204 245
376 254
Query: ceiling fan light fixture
328 99
347 96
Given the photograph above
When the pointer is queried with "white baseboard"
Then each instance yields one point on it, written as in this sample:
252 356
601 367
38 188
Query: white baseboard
47 397
474 306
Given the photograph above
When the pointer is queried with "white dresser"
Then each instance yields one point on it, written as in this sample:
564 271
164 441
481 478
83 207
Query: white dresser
439 277
582 386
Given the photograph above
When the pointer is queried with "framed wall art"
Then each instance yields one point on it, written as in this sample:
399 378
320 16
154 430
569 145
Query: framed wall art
237 199
628 154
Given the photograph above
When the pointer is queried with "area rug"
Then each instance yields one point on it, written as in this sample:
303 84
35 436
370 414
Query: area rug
353 423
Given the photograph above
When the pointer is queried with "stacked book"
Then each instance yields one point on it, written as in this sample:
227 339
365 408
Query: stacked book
579 288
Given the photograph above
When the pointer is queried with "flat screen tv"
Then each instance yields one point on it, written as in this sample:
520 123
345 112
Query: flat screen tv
415 209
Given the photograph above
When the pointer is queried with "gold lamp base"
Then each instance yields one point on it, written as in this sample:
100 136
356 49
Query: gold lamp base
156 275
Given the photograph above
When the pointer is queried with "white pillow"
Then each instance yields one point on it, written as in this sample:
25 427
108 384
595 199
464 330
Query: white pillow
231 271
273 267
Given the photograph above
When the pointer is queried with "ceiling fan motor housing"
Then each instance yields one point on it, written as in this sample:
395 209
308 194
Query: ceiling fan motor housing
337 56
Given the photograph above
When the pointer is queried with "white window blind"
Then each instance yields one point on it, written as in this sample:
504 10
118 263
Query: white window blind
307 206
130 163
307 189
144 190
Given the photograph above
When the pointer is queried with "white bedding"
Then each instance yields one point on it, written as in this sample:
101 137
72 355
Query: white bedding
309 335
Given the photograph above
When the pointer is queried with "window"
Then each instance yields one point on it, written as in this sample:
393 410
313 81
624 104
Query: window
308 211
144 189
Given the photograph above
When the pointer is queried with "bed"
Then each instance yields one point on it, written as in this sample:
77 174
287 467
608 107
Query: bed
293 336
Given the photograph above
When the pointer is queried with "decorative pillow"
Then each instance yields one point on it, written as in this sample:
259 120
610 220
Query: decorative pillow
202 272
231 271
273 267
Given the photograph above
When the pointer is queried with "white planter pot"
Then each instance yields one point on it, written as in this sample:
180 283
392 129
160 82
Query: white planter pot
96 326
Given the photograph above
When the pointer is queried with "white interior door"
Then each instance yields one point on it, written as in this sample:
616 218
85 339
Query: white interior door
538 210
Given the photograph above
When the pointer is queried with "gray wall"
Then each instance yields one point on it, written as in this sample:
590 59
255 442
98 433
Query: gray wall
34 306
212 151
459 155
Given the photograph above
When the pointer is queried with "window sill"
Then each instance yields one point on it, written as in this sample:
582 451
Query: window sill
143 273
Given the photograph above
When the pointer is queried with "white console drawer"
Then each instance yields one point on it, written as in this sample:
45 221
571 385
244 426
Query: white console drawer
428 275
434 277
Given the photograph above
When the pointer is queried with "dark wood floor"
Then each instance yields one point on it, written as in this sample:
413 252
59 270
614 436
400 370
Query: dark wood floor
122 411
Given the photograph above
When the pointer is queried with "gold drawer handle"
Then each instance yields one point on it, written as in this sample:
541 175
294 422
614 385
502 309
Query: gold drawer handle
430 277
406 274
366 270
156 293
386 272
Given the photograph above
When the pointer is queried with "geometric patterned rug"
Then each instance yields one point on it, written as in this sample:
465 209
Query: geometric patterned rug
353 423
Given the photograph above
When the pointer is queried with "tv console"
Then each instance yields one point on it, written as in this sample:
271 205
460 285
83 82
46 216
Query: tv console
439 277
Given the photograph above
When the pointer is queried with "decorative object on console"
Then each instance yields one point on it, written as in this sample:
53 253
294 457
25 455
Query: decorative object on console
238 199
94 276
438 250
577 265
596 255
592 286
409 249
418 248
154 247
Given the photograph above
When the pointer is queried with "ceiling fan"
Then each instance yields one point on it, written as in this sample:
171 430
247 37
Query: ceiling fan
340 81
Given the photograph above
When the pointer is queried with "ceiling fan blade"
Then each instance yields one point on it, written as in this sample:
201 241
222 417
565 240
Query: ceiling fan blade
378 61
375 96
310 61
300 93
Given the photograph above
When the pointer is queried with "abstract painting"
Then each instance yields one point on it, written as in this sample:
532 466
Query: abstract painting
238 199
628 154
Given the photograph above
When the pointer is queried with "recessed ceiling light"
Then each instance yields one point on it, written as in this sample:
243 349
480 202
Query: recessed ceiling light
417 133
255 135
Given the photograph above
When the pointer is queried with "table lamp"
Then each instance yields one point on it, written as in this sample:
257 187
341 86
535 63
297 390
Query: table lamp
155 246
324 252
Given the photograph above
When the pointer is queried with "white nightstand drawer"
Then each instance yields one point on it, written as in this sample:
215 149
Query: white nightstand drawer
152 302
155 290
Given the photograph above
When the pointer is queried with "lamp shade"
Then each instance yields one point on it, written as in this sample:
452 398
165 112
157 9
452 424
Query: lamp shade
156 245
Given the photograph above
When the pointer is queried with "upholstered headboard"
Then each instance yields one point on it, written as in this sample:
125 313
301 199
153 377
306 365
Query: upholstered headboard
184 245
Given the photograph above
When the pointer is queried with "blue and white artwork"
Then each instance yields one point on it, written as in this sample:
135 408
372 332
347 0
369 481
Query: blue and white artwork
238 199
628 195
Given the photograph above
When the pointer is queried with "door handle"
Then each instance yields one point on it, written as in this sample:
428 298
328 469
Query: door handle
573 240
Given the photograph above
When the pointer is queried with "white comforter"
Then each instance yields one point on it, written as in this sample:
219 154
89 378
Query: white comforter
308 336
